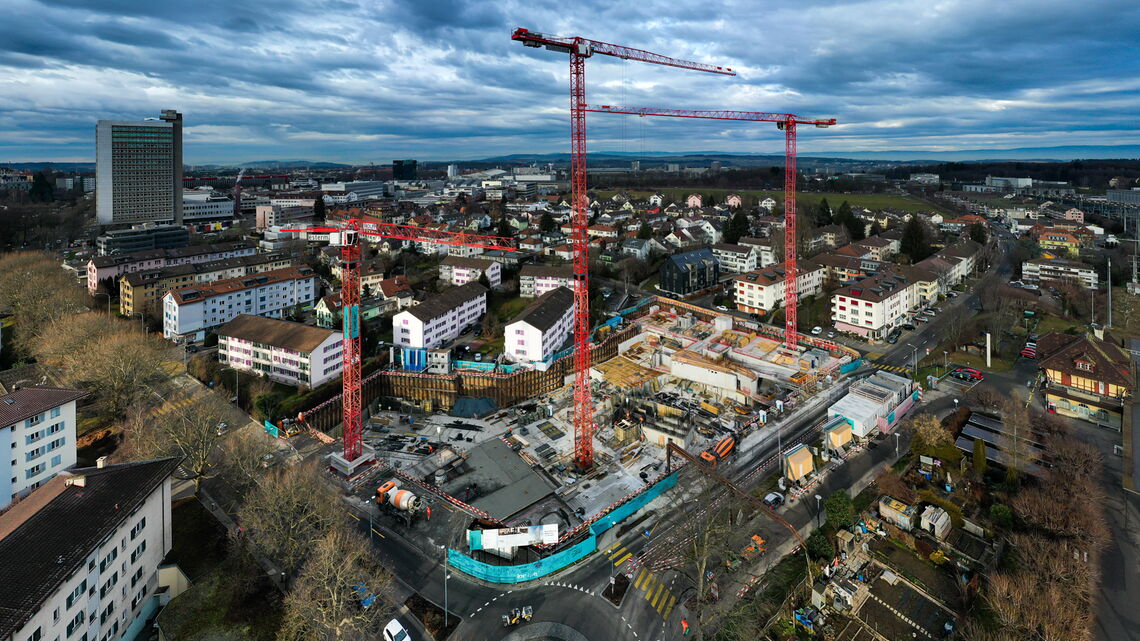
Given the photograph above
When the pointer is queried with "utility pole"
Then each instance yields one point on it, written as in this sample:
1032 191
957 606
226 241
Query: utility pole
1108 261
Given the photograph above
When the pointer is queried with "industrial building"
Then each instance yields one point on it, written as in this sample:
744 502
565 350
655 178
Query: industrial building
876 403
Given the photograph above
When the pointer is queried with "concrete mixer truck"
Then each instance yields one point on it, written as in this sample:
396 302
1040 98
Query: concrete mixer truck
396 498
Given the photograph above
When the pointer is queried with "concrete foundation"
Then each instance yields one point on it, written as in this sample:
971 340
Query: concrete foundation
350 468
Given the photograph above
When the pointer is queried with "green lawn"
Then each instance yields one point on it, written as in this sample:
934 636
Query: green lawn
870 201
1049 324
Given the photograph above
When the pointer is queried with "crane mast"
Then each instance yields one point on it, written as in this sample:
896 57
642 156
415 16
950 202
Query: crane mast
787 123
580 49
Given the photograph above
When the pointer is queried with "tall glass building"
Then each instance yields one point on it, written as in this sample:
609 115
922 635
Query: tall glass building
138 169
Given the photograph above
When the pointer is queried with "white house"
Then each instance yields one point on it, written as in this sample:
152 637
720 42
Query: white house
284 351
81 554
1059 270
542 328
762 290
441 318
877 304
101 268
536 280
190 311
735 258
459 270
768 204
37 435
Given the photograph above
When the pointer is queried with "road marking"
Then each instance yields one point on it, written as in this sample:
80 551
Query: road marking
623 559
657 596
377 533
354 516
669 608
640 577
617 551
649 587
486 604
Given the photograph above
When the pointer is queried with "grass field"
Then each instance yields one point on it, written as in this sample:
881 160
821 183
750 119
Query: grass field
870 201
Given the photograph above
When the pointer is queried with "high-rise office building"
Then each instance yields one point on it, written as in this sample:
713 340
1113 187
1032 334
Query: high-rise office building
139 170
403 170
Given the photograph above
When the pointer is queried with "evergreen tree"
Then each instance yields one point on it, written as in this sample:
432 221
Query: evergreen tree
505 229
876 228
319 209
978 233
41 191
646 232
738 226
547 224
914 242
823 214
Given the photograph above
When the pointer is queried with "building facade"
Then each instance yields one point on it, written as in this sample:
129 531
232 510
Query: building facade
141 238
287 352
1058 270
102 268
143 290
1086 377
736 259
542 328
689 272
190 311
440 319
536 280
82 554
762 290
874 306
37 427
138 170
458 270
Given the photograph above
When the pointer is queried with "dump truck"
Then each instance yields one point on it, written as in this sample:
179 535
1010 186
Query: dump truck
403 500
720 451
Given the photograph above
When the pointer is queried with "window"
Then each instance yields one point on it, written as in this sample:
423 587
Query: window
80 617
107 560
136 577
138 551
35 470
138 528
35 636
1084 365
76 593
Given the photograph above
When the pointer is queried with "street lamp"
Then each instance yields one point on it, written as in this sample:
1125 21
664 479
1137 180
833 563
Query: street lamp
818 513
237 383
896 444
914 359
945 361
446 576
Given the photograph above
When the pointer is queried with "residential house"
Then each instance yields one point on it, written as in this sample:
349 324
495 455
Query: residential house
871 308
635 247
693 201
397 288
144 289
1059 270
827 237
1087 377
37 436
189 312
460 271
766 252
102 268
690 272
536 280
602 231
542 328
762 290
83 555
736 258
440 319
287 352
877 247
1058 240
733 201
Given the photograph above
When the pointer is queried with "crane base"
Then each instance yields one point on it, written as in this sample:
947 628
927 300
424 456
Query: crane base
350 469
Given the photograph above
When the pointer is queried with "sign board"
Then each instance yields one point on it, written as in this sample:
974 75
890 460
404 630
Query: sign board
271 429
513 536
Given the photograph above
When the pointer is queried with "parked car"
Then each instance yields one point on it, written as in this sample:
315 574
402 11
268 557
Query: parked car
922 319
816 331
908 326
395 631
721 308
831 334
774 500
968 374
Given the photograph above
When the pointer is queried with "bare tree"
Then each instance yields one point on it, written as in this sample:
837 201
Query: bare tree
242 459
891 483
288 511
984 396
928 430
1015 443
38 292
324 603
190 433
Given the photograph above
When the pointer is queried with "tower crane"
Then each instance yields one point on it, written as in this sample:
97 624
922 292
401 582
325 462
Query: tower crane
350 232
580 49
237 193
787 123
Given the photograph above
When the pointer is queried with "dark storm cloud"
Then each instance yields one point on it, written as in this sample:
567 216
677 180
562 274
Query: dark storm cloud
373 79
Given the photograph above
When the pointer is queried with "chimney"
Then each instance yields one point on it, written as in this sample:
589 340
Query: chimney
1098 331
101 462
76 481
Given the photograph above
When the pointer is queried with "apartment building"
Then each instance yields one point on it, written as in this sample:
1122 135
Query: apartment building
140 290
1059 240
1058 270
459 270
82 554
1086 377
102 268
542 328
762 290
536 280
735 259
138 170
190 311
37 427
765 251
689 272
440 319
874 306
291 353
142 238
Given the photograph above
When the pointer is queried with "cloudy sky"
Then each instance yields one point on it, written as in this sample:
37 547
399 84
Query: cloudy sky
372 80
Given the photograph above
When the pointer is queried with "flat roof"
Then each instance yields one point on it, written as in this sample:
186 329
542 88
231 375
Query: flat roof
506 482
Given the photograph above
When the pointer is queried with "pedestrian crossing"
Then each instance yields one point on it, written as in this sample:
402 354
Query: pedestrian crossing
894 369
171 406
651 585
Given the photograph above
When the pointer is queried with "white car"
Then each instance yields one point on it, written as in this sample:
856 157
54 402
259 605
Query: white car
394 631
722 308
816 331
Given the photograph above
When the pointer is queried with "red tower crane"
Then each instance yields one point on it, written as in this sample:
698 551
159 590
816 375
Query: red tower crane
350 232
580 49
786 122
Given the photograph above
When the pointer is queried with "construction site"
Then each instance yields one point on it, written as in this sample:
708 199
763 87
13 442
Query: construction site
530 467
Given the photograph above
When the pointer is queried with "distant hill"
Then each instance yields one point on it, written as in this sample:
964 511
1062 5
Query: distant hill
292 164
67 167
